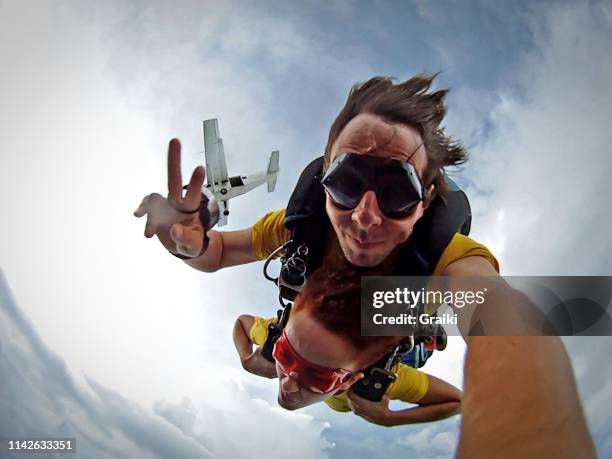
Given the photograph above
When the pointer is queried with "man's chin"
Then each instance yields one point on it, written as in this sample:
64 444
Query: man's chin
362 259
288 405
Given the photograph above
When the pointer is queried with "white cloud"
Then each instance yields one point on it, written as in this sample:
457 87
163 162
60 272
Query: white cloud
433 441
38 396
263 429
606 448
91 93
545 168
430 11
546 162
594 379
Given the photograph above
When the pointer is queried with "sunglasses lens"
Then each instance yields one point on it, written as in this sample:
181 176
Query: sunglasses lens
345 185
396 200
283 355
311 377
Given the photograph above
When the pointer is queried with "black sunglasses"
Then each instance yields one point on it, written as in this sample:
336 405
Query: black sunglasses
396 184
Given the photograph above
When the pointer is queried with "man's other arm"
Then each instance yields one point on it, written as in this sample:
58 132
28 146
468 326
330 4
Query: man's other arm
520 398
520 401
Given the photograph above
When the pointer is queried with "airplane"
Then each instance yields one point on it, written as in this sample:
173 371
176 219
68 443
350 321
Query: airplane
219 184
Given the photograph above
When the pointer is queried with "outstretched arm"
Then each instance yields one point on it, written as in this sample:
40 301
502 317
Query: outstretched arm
520 393
521 401
251 360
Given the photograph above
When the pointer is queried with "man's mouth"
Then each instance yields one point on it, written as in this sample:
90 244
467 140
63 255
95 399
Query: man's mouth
362 242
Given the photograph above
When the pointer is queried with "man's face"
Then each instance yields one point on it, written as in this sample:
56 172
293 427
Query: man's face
365 234
321 347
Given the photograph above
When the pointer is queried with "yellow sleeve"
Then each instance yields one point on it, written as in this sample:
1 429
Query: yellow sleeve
410 386
259 330
269 233
338 402
462 246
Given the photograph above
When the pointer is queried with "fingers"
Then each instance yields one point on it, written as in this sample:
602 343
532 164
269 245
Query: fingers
175 181
353 397
150 228
146 207
148 204
355 408
140 211
354 403
353 378
192 198
142 208
176 233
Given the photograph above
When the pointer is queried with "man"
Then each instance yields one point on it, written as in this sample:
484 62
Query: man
394 127
321 354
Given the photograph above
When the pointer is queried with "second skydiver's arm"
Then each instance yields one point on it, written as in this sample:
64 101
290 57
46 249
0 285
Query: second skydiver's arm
441 401
252 360
240 335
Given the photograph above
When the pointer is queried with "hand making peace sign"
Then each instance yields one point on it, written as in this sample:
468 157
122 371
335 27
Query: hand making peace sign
175 220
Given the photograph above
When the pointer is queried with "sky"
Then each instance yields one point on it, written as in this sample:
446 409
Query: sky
105 334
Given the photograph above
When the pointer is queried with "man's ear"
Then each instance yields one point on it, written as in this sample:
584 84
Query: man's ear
350 380
430 196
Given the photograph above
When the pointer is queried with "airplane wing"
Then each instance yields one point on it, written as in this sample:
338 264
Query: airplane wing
273 170
216 169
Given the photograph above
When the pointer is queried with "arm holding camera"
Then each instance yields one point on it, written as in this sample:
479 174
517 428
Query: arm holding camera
516 406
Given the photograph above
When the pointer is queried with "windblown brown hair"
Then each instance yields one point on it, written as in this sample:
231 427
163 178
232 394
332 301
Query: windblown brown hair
333 298
410 103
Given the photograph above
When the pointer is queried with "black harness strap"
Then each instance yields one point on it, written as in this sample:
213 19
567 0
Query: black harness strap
434 231
305 216
274 332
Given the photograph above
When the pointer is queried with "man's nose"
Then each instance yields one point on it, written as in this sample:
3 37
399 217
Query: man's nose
289 383
367 214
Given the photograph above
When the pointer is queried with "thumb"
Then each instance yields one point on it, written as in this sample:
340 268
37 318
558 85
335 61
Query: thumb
176 233
188 240
346 385
357 377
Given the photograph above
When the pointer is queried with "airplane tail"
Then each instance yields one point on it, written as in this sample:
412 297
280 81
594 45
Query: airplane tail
272 172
